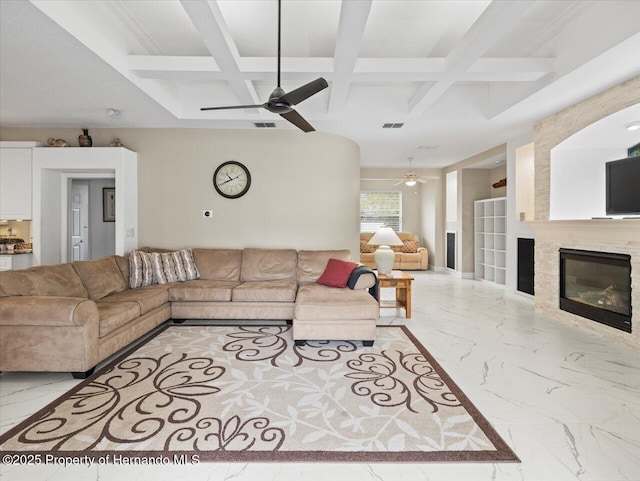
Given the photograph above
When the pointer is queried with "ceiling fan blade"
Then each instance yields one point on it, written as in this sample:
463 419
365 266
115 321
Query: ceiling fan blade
399 182
296 119
235 107
422 181
307 90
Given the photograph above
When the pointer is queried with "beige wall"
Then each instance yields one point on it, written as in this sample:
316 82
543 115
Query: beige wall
474 184
304 191
464 228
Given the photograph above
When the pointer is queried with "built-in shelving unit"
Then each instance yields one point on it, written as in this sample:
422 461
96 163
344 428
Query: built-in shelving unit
491 239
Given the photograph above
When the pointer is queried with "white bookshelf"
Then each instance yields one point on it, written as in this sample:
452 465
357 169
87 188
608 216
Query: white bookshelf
490 233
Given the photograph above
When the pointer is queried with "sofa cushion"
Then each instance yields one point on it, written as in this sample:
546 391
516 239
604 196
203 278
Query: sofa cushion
148 297
311 264
123 265
337 273
116 314
57 280
315 301
176 266
280 290
100 277
202 290
410 247
140 269
366 248
268 264
218 264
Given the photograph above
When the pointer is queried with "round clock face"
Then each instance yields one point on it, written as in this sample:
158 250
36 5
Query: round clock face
232 179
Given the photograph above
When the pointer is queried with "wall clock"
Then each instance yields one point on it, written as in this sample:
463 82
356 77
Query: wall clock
232 179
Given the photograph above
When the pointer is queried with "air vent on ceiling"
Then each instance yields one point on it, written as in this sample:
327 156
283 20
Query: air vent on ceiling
392 125
265 125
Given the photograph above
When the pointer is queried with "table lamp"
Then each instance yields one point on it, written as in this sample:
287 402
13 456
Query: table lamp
384 256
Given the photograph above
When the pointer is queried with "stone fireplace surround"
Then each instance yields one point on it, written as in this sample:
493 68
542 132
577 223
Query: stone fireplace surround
606 235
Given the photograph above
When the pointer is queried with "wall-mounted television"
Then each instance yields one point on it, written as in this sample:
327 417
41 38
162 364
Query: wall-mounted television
623 186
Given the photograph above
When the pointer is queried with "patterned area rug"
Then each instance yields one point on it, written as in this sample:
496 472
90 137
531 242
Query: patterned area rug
231 393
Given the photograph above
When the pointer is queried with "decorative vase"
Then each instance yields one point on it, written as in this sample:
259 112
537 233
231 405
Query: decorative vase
384 257
85 139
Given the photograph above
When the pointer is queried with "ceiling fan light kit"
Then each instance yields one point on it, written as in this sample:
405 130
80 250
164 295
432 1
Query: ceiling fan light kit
282 103
410 179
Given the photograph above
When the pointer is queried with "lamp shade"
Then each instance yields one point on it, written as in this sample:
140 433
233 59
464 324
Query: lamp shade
385 236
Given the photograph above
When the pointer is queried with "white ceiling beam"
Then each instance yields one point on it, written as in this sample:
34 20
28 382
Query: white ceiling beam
353 20
197 75
172 63
208 20
494 22
249 66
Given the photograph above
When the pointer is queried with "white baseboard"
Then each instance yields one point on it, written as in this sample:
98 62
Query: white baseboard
468 275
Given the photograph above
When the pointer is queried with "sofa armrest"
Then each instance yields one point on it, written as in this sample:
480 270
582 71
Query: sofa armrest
363 278
47 311
424 257
365 281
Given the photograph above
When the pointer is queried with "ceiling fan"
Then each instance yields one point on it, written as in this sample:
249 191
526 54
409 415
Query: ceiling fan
410 178
281 102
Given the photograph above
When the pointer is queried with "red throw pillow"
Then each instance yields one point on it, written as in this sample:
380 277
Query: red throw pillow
337 273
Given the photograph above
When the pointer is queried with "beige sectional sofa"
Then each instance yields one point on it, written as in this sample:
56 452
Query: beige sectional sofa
69 317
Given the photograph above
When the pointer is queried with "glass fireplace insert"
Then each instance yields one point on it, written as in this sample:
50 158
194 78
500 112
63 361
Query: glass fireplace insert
596 285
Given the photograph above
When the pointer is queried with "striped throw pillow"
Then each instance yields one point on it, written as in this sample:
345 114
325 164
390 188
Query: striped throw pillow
177 266
140 269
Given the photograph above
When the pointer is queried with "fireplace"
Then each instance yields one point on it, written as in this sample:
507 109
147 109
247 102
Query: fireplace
596 285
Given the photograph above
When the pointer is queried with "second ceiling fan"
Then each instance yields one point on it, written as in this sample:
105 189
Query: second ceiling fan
281 102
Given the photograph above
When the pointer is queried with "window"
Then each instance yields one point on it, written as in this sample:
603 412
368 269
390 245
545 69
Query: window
379 208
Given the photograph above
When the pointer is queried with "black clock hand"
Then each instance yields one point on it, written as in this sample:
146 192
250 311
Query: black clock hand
230 179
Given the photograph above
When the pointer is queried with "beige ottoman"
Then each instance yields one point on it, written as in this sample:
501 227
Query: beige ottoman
332 313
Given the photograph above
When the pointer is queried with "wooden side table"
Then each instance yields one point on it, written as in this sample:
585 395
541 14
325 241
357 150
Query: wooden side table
401 282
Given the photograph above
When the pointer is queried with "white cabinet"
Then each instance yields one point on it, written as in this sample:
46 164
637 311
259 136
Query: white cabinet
15 262
490 233
16 180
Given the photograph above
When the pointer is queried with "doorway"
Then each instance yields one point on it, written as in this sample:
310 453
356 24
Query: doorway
79 234
90 234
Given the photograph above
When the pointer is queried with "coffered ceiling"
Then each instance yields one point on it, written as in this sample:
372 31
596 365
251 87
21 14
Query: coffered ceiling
462 76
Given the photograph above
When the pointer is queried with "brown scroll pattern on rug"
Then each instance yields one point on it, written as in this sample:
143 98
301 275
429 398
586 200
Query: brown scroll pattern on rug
213 434
378 377
98 413
428 382
270 343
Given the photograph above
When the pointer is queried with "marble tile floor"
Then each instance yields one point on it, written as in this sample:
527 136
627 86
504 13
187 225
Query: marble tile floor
566 400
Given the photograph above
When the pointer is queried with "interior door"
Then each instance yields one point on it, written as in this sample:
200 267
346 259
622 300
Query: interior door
79 222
